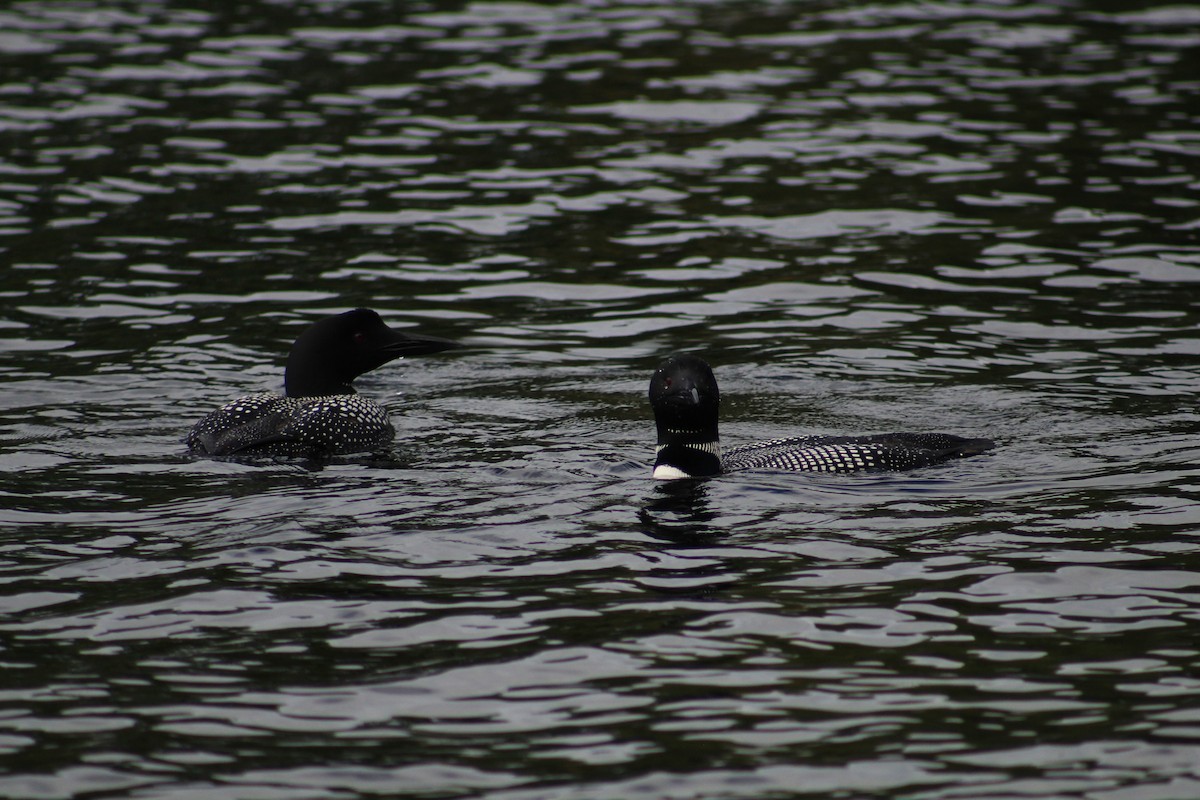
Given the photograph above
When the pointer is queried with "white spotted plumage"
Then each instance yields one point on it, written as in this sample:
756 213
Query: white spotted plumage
271 424
810 454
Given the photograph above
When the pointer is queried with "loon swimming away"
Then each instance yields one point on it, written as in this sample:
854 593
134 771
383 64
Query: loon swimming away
686 402
320 414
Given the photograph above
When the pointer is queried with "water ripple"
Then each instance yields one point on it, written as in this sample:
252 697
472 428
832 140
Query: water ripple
959 216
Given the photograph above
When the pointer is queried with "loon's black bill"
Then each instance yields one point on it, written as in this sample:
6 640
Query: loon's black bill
416 344
681 397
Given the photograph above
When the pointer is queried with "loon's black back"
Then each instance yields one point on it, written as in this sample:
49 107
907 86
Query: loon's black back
877 453
320 414
686 403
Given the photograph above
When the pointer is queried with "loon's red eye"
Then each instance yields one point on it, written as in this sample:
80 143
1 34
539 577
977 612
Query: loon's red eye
667 383
359 337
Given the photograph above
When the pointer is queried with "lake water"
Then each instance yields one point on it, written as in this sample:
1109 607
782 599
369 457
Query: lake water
975 217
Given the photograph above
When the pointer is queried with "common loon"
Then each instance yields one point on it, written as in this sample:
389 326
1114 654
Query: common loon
320 414
684 395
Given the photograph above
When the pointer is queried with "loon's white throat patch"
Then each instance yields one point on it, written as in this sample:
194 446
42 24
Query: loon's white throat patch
670 472
665 472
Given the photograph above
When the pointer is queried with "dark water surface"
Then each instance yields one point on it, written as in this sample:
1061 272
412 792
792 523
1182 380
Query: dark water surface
978 217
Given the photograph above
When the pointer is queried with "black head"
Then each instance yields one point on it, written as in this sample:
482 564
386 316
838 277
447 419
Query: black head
686 403
335 350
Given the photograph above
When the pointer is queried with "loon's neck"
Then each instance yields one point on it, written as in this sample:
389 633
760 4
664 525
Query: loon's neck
300 387
686 454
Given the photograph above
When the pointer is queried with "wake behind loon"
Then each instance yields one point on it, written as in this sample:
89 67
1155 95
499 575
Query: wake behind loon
319 414
686 402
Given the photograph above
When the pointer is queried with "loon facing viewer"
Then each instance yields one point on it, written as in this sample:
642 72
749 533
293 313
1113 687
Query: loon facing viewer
686 402
320 414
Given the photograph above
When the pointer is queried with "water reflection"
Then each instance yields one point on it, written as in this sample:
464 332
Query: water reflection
959 216
680 512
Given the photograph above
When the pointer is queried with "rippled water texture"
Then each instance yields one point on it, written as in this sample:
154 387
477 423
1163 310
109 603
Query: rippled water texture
976 217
